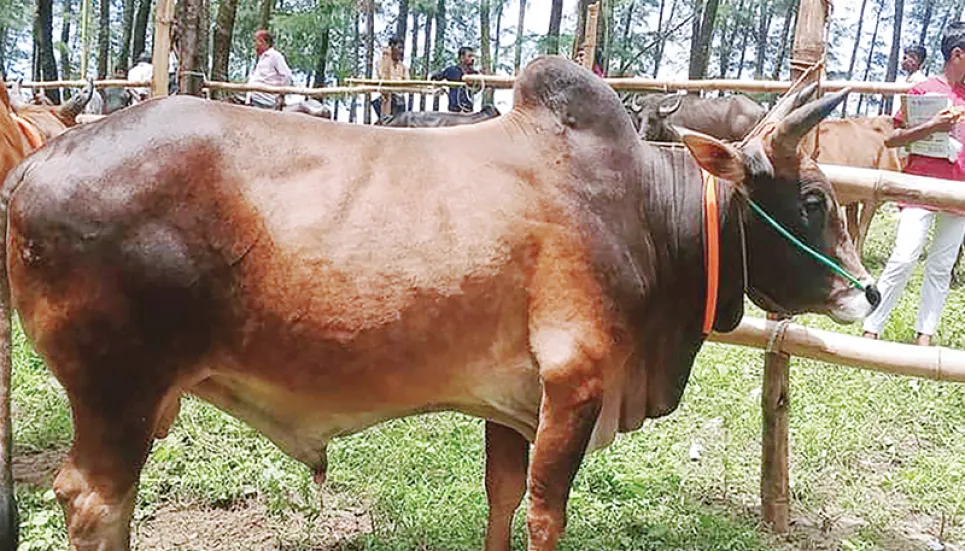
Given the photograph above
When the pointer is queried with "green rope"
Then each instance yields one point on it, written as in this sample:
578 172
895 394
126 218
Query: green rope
834 266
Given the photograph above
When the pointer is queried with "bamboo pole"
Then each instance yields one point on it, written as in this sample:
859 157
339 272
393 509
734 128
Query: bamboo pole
404 83
589 35
112 83
927 362
163 18
313 92
775 423
649 84
884 185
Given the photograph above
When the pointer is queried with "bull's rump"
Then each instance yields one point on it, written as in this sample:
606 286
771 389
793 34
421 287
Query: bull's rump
328 277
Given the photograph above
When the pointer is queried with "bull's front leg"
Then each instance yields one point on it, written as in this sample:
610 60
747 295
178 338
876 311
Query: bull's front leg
571 402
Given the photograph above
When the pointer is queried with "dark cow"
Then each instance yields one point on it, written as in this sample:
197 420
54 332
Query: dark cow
729 118
543 271
437 119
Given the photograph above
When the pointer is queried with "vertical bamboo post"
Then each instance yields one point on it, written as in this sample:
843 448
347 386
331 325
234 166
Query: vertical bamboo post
590 35
775 396
163 18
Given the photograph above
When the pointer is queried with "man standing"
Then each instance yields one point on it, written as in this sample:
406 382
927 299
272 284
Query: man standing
143 71
271 70
391 67
459 99
915 221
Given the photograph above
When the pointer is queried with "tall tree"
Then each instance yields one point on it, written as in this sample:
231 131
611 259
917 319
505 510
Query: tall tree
871 49
663 34
892 73
104 39
854 53
3 49
369 6
579 39
223 30
189 55
925 21
400 24
66 14
353 109
264 16
426 54
438 57
204 37
789 19
520 32
139 37
322 60
414 56
45 45
499 31
763 33
745 31
705 31
485 55
127 26
553 34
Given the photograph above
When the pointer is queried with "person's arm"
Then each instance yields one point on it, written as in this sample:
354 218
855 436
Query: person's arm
941 122
283 69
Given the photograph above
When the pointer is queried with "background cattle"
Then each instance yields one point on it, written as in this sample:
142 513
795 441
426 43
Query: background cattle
507 270
49 120
438 119
729 118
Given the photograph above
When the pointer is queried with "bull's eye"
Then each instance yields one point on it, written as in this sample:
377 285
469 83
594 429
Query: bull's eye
814 208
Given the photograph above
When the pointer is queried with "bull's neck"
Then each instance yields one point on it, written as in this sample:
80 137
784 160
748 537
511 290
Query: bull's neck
673 206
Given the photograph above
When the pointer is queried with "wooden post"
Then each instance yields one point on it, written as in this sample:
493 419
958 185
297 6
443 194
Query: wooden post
775 396
589 36
191 77
163 18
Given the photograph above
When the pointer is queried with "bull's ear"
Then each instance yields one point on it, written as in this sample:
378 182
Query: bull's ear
716 157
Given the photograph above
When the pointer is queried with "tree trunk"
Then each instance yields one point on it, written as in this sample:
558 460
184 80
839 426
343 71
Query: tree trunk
204 37
663 34
499 30
763 30
892 73
520 32
699 56
322 61
553 34
414 56
485 56
140 25
354 105
190 79
745 31
578 38
401 25
854 53
440 43
369 54
627 26
3 50
789 19
925 21
45 46
426 56
871 49
264 17
64 39
127 24
223 30
104 39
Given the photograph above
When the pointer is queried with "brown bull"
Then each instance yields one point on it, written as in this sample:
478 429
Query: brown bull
857 142
542 270
48 120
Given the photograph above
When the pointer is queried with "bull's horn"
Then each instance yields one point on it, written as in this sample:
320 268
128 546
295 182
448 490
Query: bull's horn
75 106
664 110
16 99
800 121
786 105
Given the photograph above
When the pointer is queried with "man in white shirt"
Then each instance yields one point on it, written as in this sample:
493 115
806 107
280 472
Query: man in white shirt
271 70
143 71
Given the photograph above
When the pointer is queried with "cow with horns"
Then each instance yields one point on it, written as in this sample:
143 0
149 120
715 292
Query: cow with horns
543 270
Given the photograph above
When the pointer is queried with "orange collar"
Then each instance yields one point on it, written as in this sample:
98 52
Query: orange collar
711 250
29 131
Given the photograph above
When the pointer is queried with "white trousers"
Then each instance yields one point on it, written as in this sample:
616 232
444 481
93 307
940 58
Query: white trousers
912 234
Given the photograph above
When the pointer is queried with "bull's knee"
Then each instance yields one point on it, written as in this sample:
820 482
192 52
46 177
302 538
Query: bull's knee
98 518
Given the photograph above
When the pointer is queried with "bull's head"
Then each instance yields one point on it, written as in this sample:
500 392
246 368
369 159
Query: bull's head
653 116
767 169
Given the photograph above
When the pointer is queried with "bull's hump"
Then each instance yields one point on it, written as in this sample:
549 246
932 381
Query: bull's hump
573 97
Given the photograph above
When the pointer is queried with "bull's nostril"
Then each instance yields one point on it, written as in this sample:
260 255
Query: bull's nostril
873 295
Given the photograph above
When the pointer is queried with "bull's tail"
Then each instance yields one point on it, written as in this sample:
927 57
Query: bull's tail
8 504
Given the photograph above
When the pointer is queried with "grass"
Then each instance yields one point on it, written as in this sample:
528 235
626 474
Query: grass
876 462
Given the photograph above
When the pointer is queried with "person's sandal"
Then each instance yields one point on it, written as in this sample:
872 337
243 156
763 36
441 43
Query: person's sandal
922 339
870 335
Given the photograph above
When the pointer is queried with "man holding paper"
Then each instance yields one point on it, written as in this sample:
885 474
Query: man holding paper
929 124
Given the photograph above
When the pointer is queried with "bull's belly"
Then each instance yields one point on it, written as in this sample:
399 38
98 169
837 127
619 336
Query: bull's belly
302 422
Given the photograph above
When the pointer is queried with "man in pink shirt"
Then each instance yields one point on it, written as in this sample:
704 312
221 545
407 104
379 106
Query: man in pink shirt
271 70
915 221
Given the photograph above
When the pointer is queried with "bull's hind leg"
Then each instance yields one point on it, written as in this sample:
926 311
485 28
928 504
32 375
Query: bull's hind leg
507 455
97 484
